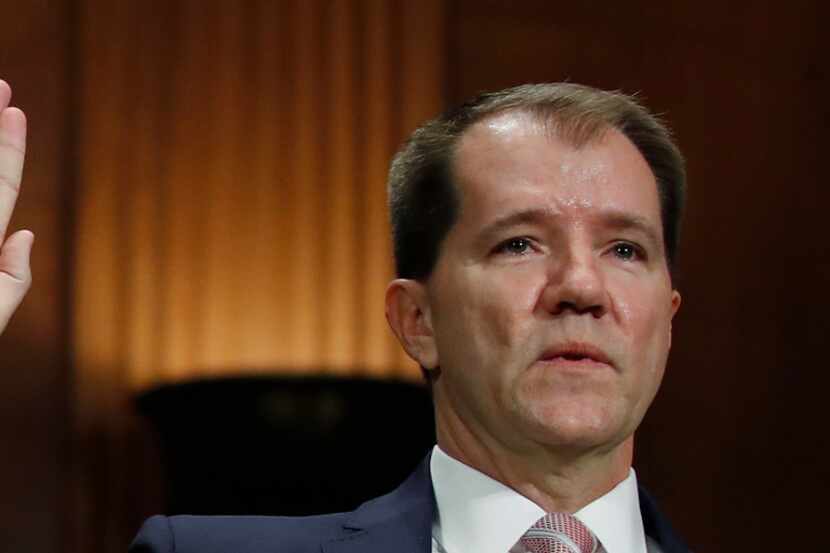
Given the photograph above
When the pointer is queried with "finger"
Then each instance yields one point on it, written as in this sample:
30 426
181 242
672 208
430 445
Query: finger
12 154
5 94
14 256
15 273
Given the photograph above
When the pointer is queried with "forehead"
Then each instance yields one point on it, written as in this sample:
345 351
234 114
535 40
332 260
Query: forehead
512 161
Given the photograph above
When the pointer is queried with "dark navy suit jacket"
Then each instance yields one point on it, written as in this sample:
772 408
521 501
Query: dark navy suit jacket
399 522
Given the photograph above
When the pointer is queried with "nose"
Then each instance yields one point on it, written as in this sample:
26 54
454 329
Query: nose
575 285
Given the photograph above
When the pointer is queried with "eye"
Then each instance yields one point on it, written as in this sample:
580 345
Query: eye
627 251
514 246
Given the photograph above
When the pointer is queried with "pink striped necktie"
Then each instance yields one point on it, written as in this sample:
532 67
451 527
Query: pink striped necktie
560 533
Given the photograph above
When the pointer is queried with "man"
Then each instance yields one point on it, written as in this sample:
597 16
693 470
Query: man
15 276
535 230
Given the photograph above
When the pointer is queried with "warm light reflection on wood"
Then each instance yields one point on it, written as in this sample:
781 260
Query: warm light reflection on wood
231 199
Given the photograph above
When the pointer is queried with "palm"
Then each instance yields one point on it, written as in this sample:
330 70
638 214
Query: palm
15 275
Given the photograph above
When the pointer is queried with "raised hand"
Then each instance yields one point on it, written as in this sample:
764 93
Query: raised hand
15 275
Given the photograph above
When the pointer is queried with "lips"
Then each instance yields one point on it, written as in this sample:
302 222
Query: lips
576 352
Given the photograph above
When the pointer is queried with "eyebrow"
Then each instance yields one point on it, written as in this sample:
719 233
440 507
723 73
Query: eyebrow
526 216
628 221
612 218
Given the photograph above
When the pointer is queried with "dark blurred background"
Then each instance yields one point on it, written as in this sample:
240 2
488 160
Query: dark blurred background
206 183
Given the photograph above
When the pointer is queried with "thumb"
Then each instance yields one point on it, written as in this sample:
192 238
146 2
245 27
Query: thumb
15 273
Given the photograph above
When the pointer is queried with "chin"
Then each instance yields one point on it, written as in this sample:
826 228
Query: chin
574 426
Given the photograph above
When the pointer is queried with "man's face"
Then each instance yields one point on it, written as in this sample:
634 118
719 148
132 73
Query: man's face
551 301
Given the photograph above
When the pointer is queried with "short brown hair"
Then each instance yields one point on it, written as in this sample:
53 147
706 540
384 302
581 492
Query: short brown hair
424 202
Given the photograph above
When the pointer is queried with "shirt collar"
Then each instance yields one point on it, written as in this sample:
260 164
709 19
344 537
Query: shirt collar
476 513
615 518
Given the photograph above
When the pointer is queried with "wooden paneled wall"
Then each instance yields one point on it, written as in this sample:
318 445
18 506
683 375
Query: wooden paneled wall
35 414
231 210
231 202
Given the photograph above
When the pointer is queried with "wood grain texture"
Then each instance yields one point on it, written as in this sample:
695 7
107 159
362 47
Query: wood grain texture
231 216
35 413
230 210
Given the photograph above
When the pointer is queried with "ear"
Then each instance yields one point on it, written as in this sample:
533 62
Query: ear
675 302
408 315
675 305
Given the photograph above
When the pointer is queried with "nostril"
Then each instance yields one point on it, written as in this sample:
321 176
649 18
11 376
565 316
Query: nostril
581 308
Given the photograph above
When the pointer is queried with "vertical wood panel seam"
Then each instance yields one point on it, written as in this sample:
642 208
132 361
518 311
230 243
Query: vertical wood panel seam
360 188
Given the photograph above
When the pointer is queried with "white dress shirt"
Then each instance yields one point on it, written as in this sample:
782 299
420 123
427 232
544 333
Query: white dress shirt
476 514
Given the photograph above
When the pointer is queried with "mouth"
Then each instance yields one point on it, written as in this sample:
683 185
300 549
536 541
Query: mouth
577 354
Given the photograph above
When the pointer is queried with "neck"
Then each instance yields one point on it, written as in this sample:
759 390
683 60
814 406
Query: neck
556 480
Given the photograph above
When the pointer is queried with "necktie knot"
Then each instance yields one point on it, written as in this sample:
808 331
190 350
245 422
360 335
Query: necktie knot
559 533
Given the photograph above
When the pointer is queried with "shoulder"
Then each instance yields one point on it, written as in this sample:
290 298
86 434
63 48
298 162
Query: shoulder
240 534
402 519
657 526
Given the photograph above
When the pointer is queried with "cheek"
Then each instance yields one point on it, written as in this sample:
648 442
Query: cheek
507 303
646 323
488 314
643 311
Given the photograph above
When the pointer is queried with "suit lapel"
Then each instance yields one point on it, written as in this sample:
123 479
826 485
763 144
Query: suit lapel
400 521
657 527
652 547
